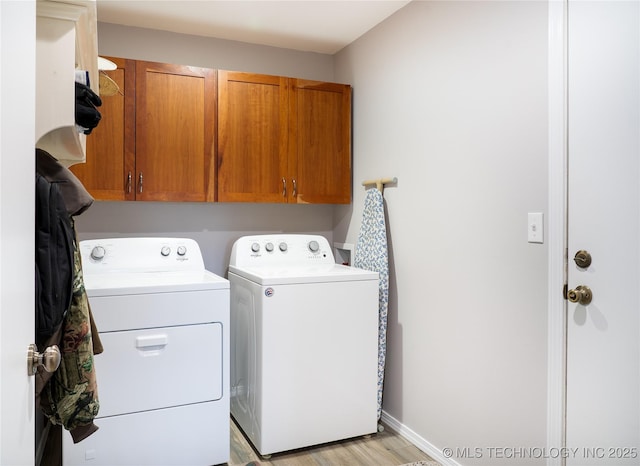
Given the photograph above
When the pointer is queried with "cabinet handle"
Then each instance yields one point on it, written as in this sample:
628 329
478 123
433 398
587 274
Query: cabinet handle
129 183
295 188
284 187
140 183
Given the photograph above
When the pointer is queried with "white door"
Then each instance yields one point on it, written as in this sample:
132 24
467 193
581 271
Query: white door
603 337
17 129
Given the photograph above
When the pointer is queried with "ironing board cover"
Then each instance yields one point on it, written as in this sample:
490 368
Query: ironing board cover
371 254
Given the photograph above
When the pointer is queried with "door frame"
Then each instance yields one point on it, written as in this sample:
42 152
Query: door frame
557 226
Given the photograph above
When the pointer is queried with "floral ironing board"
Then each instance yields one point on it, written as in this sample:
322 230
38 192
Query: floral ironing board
371 254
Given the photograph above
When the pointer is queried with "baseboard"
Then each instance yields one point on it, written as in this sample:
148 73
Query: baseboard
418 441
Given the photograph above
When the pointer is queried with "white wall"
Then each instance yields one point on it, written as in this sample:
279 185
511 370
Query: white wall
182 49
450 97
214 226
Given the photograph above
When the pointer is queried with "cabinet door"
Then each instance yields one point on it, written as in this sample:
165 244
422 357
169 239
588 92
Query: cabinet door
175 118
320 142
110 146
252 137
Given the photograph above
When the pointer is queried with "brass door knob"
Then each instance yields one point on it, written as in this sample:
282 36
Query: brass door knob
49 359
582 295
582 259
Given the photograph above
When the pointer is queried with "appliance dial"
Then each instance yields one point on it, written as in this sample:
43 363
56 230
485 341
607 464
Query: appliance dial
182 250
97 253
165 251
313 246
255 247
269 247
283 247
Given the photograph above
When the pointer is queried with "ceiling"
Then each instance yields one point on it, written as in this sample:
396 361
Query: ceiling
322 26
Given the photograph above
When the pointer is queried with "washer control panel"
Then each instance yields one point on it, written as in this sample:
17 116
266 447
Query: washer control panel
273 250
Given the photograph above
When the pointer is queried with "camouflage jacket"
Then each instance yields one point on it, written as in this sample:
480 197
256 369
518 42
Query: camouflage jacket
69 396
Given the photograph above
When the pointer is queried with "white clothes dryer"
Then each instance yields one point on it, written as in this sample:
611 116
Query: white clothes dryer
304 343
163 378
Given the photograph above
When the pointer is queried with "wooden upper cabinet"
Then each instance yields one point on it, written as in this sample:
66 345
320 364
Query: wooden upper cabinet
283 139
110 146
320 142
252 137
175 125
155 141
174 133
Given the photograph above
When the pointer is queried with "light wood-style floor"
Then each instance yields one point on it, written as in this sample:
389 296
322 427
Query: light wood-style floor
381 449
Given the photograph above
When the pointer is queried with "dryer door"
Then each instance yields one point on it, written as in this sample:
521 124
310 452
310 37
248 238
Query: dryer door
141 370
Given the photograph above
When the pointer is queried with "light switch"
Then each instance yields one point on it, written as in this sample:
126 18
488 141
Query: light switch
535 228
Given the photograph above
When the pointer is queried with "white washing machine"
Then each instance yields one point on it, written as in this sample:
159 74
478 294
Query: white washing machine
163 378
304 343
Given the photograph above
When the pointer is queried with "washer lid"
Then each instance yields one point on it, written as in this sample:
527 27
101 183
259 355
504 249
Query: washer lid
110 284
294 275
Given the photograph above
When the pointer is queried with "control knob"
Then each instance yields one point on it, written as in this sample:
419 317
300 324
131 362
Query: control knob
313 246
283 246
165 251
255 247
98 253
182 250
269 247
